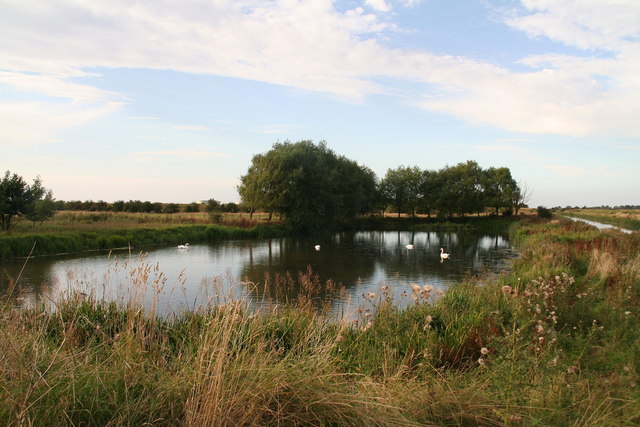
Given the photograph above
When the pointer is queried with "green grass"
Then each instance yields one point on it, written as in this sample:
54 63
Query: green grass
554 342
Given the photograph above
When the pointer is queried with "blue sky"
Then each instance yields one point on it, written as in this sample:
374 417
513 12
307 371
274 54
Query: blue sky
169 100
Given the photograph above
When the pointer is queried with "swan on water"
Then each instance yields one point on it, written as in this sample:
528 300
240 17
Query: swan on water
185 246
409 246
317 247
443 254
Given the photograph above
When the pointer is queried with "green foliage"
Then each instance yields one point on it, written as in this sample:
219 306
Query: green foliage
308 185
18 199
544 213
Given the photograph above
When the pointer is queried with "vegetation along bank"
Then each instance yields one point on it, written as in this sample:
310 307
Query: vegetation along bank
554 342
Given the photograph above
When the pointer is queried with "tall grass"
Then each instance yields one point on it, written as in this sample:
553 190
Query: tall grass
555 342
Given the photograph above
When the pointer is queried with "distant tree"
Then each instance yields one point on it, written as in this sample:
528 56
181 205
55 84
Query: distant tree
42 209
192 207
230 207
117 206
544 212
17 198
213 206
171 208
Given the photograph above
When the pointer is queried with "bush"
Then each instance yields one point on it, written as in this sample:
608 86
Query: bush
544 213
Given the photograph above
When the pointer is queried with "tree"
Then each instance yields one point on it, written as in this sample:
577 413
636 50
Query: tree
429 189
171 208
308 185
520 197
499 187
17 198
401 188
42 209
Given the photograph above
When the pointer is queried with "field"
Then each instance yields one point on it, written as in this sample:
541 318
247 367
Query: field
79 221
554 342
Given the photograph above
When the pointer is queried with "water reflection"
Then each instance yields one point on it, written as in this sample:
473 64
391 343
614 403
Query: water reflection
175 280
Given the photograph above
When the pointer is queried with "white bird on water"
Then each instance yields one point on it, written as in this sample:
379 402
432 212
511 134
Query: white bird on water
443 254
317 247
409 246
185 246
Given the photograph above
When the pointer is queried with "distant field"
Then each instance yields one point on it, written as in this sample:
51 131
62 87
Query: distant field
70 221
626 218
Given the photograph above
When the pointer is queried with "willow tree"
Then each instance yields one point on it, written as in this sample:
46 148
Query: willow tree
308 185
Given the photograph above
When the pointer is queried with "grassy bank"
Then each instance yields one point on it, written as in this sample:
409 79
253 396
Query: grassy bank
555 342
18 246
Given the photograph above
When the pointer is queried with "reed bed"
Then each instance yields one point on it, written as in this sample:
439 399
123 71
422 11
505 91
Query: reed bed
555 342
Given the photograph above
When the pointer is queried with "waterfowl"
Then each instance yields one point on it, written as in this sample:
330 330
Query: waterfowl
185 246
443 254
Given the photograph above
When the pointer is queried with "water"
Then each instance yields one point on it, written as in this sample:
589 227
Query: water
600 225
177 279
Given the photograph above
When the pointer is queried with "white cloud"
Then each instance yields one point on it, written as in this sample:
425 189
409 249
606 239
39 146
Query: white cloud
28 123
378 5
312 46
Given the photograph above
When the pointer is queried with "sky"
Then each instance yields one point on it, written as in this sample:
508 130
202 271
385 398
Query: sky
169 100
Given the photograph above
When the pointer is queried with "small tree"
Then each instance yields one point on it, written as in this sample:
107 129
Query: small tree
171 208
42 209
17 199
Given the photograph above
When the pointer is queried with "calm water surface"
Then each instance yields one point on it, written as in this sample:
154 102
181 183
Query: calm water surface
174 279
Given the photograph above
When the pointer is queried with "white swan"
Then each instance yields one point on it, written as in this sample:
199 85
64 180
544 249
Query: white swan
443 254
409 246
185 246
317 247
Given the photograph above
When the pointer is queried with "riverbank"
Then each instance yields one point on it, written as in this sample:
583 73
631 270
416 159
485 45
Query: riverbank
67 236
555 342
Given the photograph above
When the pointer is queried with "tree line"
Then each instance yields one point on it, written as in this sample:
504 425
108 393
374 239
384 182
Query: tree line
136 206
19 200
310 187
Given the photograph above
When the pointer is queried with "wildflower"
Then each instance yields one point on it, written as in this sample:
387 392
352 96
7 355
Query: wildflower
368 315
371 295
572 369
440 293
627 313
553 361
539 328
506 289
427 288
429 318
367 326
481 361
416 288
484 351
